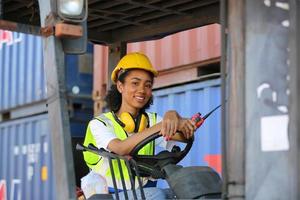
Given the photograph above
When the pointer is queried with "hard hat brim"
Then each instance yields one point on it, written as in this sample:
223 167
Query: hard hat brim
114 74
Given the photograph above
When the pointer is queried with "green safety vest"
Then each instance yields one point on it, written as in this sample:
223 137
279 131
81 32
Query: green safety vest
95 162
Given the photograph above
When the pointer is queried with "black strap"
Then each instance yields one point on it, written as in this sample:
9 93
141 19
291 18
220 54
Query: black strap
137 122
100 121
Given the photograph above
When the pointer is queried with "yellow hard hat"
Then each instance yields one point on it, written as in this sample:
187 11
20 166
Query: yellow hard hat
134 60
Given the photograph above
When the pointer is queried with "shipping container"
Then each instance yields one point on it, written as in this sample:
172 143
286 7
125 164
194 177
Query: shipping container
187 100
26 169
186 47
22 77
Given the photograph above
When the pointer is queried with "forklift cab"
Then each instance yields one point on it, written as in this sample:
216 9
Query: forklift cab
116 23
67 25
260 48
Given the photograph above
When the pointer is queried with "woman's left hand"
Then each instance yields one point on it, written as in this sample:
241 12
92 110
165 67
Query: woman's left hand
187 127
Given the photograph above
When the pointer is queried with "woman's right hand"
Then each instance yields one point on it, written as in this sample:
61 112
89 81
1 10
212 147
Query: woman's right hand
170 124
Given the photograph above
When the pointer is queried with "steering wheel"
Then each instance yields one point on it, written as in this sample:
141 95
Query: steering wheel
152 165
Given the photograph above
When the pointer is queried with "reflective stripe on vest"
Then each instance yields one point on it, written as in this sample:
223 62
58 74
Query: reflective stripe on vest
99 164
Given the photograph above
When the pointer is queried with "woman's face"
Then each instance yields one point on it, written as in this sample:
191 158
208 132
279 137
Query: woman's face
136 90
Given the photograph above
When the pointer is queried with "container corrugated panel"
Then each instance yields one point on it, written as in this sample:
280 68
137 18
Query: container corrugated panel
196 45
26 159
100 77
187 100
22 79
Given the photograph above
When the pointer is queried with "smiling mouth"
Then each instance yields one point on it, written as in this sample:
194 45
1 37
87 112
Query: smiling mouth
140 98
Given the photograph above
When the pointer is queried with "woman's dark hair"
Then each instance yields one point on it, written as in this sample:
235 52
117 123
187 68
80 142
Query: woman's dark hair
114 98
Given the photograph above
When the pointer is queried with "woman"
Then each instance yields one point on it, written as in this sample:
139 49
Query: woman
128 123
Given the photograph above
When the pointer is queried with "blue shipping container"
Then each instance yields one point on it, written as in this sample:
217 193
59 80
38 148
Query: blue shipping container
187 100
26 170
22 77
